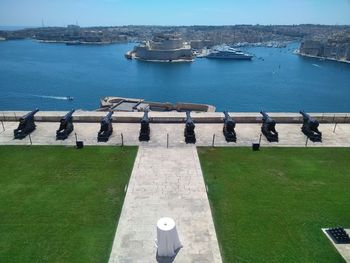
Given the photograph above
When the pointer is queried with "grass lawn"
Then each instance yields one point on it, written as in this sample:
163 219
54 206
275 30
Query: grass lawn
59 204
270 206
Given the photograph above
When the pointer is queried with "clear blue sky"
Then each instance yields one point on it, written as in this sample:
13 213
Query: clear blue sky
172 12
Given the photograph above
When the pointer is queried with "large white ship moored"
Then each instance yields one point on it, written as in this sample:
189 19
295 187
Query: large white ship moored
164 48
227 52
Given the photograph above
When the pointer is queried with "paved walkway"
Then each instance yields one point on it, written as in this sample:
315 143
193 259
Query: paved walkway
247 133
166 182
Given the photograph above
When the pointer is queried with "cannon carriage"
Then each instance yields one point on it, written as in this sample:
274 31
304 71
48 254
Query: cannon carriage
229 128
66 126
145 130
106 129
26 125
310 127
268 127
190 135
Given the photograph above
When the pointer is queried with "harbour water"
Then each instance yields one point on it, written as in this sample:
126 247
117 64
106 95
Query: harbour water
42 75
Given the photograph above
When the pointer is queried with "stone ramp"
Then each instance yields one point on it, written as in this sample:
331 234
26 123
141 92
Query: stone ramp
166 182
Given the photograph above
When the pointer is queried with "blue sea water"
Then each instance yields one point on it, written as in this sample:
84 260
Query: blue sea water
40 75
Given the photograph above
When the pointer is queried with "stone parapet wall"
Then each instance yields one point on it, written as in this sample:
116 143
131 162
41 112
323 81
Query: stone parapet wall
176 117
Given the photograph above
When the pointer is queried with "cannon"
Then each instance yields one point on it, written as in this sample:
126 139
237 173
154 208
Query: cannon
106 128
190 136
145 130
26 125
268 127
310 127
66 126
229 128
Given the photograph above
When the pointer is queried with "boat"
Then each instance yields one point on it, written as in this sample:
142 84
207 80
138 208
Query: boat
73 43
164 48
226 52
69 98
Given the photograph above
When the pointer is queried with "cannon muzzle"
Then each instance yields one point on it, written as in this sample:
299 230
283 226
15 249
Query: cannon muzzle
107 118
145 118
30 114
68 116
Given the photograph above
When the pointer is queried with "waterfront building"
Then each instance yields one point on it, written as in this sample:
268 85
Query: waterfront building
164 48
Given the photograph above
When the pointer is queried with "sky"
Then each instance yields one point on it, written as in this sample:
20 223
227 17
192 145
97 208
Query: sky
172 12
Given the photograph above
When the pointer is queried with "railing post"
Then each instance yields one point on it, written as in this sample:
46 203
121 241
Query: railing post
30 139
3 127
307 139
167 140
260 138
213 142
121 135
335 126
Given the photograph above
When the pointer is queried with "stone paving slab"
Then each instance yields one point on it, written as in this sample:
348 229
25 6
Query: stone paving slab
166 182
343 249
247 133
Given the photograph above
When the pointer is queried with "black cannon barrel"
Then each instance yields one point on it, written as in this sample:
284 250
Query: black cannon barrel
228 120
108 117
307 116
145 118
30 114
227 116
266 117
264 114
68 115
188 117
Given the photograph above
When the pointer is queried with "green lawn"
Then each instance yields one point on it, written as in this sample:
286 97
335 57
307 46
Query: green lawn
59 204
270 206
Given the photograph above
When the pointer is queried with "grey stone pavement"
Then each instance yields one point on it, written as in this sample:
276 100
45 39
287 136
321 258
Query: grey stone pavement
247 133
166 183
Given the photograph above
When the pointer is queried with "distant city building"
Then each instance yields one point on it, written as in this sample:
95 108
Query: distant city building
326 49
199 44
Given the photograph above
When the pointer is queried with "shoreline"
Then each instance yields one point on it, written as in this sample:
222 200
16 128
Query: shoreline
164 61
297 52
73 42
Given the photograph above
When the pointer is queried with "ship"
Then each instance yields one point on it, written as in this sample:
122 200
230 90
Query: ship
226 52
164 48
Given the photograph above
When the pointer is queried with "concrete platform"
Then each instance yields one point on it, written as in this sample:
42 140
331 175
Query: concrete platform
247 133
166 182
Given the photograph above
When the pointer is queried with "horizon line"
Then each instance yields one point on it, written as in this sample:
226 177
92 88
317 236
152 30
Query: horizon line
159 25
